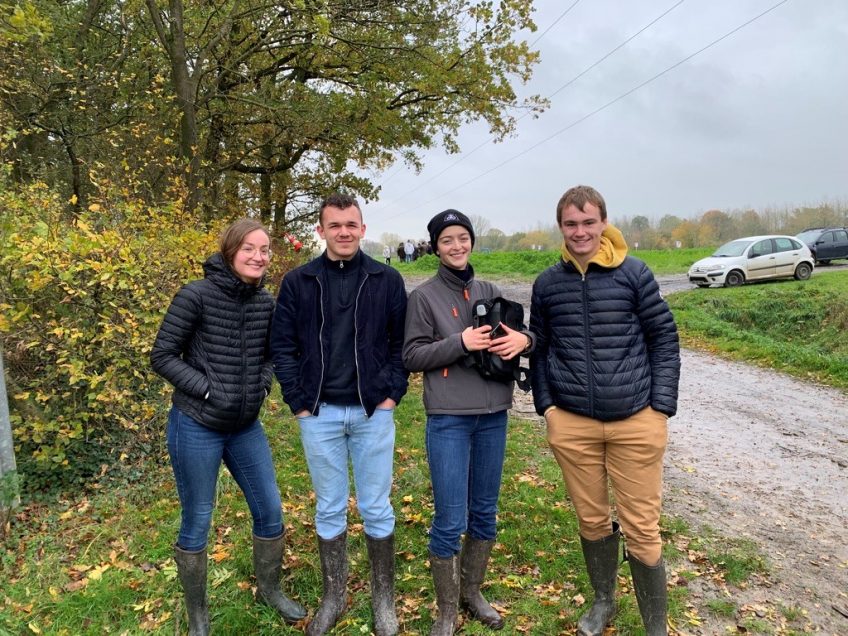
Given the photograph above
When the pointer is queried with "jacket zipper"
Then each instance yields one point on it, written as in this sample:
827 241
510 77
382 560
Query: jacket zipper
586 335
243 363
320 342
355 338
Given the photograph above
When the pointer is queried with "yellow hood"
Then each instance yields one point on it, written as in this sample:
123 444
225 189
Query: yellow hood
611 253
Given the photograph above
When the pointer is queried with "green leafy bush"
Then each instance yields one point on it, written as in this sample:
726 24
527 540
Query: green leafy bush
81 300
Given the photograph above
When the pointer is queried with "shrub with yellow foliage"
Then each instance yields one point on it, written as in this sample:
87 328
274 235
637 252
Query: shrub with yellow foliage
81 300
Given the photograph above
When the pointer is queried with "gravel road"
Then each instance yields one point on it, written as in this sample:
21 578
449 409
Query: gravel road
754 453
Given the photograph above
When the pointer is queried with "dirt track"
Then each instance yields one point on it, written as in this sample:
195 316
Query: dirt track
754 453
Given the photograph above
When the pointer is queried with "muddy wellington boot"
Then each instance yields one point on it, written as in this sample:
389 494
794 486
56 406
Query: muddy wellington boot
333 553
651 595
446 581
601 558
268 566
381 554
191 567
473 563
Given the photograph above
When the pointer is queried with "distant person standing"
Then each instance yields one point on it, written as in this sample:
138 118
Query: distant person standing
212 348
605 376
387 254
409 251
336 344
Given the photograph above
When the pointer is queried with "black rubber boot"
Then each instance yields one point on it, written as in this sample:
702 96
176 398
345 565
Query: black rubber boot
381 554
473 564
602 566
333 553
652 595
191 567
446 581
268 566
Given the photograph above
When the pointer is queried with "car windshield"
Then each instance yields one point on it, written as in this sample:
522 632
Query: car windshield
809 235
734 248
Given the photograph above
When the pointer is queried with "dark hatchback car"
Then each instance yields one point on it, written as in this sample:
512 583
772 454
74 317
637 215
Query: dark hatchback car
826 243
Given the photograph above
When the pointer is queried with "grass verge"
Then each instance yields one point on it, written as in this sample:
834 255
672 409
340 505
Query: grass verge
791 326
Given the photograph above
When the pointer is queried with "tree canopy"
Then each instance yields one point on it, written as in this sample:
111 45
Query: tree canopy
251 106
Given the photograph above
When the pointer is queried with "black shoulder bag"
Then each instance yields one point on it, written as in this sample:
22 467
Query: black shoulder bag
493 312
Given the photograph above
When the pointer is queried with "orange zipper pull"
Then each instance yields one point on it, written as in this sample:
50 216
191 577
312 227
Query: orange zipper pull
445 373
454 312
465 293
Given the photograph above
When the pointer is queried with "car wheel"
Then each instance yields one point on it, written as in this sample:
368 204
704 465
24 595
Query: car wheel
734 279
803 271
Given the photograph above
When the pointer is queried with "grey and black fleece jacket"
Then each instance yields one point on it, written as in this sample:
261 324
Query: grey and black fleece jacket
438 312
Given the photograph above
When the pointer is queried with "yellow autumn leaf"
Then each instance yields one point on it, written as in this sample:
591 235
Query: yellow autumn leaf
97 573
33 627
94 207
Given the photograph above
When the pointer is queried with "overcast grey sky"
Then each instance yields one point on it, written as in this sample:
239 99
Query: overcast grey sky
758 119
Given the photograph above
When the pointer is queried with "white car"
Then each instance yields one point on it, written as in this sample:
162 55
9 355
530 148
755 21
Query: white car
754 258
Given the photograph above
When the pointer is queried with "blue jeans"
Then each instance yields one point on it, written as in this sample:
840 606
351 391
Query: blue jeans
466 455
196 454
339 433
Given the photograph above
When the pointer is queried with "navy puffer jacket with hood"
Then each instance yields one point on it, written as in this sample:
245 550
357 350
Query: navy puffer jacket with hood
606 341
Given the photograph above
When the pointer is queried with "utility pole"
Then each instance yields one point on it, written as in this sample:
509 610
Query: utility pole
9 490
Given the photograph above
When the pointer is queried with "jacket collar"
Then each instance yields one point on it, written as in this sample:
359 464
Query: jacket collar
452 280
316 266
221 274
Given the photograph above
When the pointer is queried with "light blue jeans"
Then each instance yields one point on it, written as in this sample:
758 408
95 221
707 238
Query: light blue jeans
331 438
196 455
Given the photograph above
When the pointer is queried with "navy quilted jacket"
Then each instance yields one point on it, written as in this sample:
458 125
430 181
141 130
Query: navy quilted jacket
606 343
214 340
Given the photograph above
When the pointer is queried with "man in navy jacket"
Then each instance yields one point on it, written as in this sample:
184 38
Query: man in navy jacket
336 345
605 373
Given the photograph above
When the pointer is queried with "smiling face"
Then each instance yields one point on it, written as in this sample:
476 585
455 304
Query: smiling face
582 231
252 257
342 229
454 246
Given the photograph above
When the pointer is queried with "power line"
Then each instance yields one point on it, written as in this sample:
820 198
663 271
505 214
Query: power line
554 23
600 108
467 154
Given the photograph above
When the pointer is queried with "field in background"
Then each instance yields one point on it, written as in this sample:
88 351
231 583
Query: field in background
527 265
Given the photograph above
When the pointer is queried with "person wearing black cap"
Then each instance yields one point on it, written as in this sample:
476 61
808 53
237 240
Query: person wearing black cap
466 419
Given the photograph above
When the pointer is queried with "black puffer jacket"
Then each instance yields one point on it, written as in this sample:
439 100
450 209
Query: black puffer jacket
214 340
606 343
